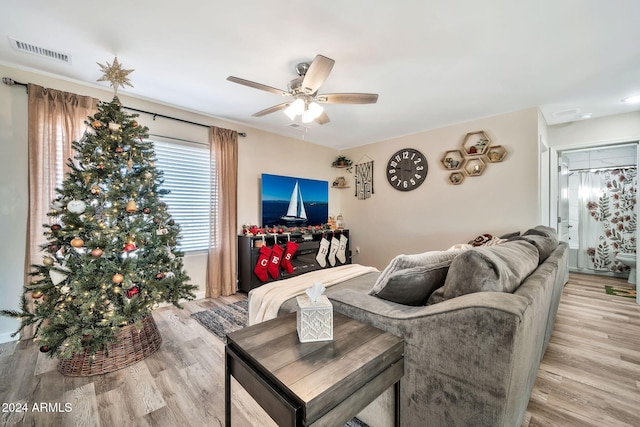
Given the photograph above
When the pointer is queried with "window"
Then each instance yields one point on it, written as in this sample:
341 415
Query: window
187 175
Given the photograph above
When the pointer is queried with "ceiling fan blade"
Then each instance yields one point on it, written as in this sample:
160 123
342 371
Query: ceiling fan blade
257 85
271 110
322 118
348 98
316 74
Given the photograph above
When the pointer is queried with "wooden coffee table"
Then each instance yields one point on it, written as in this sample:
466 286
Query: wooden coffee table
317 383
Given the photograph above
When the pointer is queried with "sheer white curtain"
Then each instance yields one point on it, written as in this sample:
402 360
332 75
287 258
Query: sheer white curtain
589 230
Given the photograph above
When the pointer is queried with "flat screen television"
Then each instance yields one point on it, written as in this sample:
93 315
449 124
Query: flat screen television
294 201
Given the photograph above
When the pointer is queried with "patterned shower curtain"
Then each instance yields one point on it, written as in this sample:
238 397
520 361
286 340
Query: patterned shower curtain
607 223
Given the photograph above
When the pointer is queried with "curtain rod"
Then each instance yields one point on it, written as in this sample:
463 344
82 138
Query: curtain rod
571 171
10 82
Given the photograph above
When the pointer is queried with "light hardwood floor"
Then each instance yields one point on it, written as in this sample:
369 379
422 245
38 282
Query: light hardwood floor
590 374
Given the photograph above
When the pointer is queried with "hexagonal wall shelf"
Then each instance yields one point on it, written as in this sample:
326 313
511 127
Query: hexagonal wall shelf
452 160
474 166
496 154
476 143
456 178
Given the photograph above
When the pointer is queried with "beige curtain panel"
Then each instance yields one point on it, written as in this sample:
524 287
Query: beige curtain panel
223 243
56 119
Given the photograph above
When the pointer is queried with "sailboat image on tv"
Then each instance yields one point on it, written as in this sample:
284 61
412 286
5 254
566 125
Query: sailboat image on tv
296 211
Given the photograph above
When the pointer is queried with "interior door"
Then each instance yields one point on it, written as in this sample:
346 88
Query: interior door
563 197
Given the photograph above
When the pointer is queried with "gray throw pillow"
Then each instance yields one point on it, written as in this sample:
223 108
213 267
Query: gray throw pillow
402 262
413 286
510 235
542 230
545 245
499 268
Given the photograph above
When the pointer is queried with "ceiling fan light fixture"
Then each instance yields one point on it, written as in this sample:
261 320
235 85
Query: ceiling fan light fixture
311 112
295 109
306 117
315 109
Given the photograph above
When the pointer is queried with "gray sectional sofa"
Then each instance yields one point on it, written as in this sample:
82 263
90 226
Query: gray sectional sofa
472 353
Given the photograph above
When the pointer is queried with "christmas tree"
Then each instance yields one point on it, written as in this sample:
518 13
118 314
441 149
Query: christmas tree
111 254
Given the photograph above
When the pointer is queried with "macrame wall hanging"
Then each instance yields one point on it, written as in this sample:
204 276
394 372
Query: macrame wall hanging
364 178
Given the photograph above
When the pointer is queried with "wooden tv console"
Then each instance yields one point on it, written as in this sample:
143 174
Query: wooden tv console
303 261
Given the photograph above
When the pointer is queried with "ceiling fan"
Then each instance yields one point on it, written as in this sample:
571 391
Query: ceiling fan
303 92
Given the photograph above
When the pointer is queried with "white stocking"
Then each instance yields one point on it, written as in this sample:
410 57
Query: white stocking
333 250
342 250
321 257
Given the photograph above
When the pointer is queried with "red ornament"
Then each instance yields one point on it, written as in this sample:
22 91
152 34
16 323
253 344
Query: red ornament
133 291
159 276
146 210
119 149
129 247
56 227
44 349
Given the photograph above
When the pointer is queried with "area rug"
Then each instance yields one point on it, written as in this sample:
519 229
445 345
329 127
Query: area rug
224 319
231 317
620 291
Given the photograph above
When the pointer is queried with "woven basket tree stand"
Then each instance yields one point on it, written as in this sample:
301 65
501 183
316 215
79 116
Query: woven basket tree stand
132 346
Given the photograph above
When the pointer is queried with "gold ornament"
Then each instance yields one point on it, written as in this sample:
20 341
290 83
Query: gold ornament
48 261
134 123
95 190
37 294
114 74
96 124
96 253
77 242
131 206
118 278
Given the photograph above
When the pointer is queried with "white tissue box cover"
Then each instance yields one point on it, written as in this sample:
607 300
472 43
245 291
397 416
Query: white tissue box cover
314 319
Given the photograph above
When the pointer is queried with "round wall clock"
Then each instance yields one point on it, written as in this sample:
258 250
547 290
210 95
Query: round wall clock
407 169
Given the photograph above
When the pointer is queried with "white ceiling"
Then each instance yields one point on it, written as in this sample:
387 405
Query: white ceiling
433 63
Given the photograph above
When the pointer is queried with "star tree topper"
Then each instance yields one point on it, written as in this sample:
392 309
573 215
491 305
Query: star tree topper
115 74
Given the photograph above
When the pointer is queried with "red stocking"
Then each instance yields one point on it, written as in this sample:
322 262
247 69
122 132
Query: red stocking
274 261
261 265
289 251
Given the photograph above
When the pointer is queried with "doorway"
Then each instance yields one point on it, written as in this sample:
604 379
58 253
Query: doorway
597 209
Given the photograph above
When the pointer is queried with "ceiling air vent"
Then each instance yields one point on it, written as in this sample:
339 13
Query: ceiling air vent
40 51
298 127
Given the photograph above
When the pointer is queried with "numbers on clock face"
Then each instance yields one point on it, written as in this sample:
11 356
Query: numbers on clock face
407 169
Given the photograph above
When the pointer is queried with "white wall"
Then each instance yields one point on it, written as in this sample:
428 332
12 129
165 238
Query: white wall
259 152
438 214
599 131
